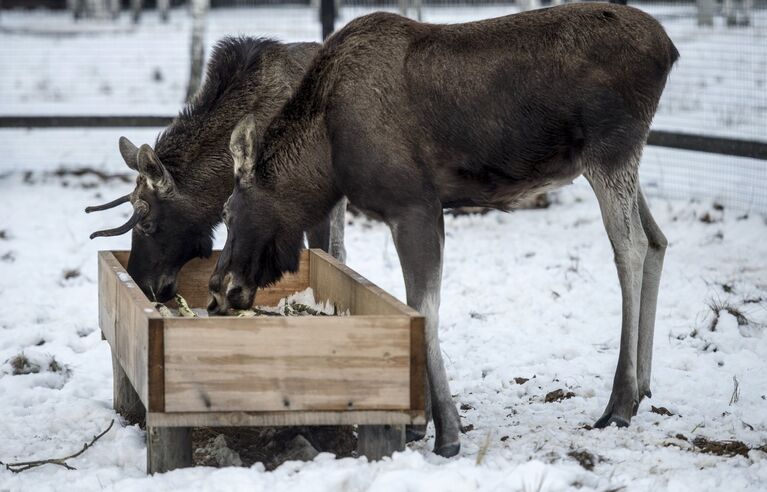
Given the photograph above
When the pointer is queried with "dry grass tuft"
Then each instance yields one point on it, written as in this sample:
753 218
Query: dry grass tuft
584 458
20 364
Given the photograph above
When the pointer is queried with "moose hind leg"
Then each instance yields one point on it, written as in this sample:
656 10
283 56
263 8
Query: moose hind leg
337 226
620 214
419 237
319 235
653 265
328 235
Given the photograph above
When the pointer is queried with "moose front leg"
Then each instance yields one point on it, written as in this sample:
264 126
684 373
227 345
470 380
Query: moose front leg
653 265
620 213
337 227
328 235
419 236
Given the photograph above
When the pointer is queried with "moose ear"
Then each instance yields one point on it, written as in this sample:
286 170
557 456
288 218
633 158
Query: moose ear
129 153
243 146
151 168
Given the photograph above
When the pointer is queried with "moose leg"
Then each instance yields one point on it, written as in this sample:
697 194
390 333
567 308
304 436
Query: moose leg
653 265
319 235
620 213
328 235
419 237
337 226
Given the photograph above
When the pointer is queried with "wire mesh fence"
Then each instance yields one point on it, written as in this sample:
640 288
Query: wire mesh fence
52 64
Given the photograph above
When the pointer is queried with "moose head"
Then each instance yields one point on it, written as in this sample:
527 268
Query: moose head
170 225
264 235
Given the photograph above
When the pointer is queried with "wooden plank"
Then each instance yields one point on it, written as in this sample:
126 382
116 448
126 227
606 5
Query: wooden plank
126 323
417 364
156 364
168 448
291 363
289 418
107 296
126 401
332 280
379 441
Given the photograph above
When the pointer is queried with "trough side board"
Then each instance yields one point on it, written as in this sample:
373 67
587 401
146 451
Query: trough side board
133 329
287 363
351 291
367 368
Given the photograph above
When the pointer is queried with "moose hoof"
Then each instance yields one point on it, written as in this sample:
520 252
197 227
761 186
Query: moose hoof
448 450
415 433
609 419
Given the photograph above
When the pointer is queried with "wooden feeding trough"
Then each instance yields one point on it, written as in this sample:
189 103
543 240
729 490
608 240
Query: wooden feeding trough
365 369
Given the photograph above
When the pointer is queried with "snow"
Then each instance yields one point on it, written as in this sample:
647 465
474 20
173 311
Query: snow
531 294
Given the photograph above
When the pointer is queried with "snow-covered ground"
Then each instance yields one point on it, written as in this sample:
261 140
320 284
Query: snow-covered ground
531 294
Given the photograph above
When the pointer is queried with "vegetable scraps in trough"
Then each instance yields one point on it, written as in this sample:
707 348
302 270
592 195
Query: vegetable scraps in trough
299 304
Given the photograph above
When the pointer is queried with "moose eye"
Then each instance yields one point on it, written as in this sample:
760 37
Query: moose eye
146 227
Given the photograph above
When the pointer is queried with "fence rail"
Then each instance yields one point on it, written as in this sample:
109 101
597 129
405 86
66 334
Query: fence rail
658 138
709 138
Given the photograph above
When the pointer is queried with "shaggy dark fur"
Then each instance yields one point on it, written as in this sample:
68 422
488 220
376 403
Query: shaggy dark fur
483 113
406 119
189 175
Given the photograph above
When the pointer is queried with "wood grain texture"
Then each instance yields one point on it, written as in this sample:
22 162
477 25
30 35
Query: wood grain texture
168 448
287 418
417 364
290 363
124 317
126 401
367 368
156 364
349 290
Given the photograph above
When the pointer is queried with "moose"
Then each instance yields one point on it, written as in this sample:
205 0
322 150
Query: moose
184 181
410 118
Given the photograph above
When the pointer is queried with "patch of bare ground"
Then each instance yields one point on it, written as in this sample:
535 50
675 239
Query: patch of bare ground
558 395
270 446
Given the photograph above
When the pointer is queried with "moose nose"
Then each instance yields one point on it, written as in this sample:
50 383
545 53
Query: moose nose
165 292
164 288
237 297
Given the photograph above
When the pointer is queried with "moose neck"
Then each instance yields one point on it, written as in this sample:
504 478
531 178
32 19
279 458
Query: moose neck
205 164
297 166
